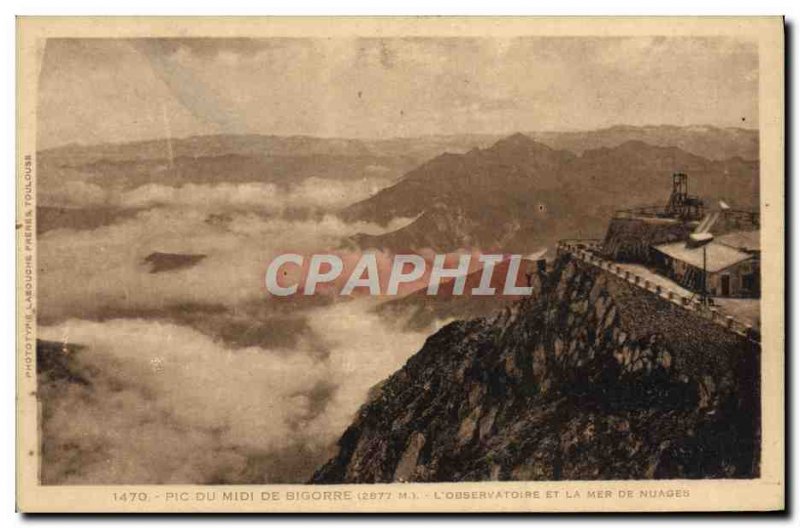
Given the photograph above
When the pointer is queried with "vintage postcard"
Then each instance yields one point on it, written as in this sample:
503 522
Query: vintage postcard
400 264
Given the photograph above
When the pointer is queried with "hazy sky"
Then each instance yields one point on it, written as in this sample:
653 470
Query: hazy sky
107 90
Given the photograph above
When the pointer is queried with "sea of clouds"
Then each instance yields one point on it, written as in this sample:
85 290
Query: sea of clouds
313 192
168 402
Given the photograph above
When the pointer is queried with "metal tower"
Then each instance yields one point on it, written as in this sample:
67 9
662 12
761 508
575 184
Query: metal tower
681 204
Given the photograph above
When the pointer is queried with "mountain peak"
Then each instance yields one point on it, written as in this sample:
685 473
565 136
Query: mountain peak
520 144
515 140
518 136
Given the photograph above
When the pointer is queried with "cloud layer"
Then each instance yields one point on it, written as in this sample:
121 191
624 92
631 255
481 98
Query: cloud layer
239 228
173 393
311 193
167 404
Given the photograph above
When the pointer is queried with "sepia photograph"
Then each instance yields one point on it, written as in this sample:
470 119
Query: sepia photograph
537 264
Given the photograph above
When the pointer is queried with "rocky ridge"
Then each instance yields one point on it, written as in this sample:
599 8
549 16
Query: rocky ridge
591 379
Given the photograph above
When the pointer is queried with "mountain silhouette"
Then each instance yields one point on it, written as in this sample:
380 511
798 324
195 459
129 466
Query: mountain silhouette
520 195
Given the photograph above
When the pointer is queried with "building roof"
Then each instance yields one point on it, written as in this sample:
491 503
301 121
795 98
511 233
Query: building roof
742 240
718 256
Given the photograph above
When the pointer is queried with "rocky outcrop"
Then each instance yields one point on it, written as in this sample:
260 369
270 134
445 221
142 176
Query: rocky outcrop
160 262
631 239
591 379
420 310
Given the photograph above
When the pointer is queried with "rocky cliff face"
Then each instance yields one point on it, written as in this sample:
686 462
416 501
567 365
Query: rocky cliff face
631 239
591 379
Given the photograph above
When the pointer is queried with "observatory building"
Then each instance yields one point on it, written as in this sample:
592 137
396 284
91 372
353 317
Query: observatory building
685 242
730 271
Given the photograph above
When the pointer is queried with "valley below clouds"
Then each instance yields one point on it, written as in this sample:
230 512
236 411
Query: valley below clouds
196 375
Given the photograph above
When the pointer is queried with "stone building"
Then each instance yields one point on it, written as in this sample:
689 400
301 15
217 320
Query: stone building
732 264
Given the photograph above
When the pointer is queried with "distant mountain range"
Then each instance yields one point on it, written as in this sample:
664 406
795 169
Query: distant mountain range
706 141
284 159
520 195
